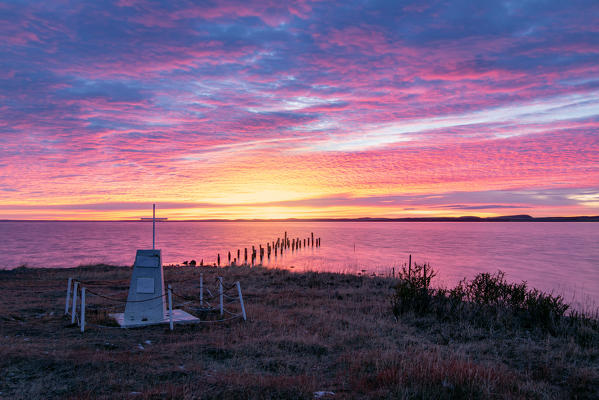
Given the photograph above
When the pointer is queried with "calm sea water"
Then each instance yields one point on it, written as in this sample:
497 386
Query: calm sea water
559 257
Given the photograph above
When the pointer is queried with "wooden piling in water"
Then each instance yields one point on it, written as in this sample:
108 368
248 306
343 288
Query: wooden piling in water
245 255
218 259
229 258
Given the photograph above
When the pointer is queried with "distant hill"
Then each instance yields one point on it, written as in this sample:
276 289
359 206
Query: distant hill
504 218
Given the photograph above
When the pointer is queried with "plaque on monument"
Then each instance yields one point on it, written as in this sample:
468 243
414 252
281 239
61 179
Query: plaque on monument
145 285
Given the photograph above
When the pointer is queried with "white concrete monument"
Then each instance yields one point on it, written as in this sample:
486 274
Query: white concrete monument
146 303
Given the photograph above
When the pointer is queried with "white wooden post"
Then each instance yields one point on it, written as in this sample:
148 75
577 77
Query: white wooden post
170 306
220 291
66 304
82 309
74 309
241 301
201 289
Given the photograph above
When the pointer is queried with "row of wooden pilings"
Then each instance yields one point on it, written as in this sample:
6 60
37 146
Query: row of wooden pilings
271 249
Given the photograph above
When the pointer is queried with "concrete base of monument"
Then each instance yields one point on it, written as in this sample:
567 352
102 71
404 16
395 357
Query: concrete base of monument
179 317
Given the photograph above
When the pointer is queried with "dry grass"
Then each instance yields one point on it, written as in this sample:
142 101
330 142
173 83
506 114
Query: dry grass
305 333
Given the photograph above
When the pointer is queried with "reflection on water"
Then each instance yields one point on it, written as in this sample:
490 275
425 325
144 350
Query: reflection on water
560 257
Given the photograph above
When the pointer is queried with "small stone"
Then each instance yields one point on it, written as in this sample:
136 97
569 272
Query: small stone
323 393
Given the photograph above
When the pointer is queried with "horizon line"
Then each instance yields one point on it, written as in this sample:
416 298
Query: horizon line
465 218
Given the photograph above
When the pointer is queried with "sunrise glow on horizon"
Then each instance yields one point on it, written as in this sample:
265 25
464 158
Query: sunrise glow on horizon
263 109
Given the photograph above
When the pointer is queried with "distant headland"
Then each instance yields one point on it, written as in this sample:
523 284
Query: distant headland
504 218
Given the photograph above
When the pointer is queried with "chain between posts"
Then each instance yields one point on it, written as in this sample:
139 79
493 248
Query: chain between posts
79 319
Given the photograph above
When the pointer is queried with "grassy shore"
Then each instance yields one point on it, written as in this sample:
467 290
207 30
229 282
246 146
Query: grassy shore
305 333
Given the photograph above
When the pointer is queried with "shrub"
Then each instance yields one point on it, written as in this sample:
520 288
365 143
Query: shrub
488 299
412 290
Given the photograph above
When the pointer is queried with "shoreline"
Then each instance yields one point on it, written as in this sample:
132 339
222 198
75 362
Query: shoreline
577 297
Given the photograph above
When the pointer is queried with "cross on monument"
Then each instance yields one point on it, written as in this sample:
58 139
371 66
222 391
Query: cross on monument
153 226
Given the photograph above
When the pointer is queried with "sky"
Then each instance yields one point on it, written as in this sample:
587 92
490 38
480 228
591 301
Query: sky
273 109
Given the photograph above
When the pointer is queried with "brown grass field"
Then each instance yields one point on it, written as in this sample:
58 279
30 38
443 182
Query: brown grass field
306 332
